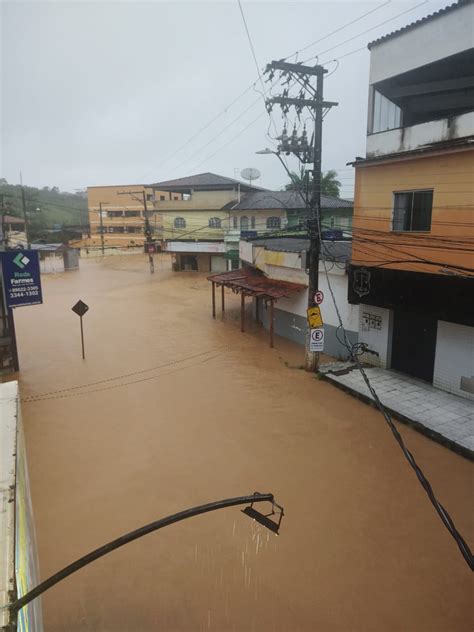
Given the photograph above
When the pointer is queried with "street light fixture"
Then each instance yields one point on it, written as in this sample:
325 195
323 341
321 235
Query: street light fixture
256 497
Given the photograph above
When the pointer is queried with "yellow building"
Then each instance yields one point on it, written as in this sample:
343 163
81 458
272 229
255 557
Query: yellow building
196 226
117 214
412 266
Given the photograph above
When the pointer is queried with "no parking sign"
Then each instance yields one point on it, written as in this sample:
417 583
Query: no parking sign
316 340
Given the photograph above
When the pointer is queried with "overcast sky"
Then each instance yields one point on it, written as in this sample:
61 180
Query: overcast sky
107 92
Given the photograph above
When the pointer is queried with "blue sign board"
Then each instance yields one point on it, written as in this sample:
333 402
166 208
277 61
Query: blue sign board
21 277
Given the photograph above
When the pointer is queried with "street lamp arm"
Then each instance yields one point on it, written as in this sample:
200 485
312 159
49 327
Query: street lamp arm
134 535
268 151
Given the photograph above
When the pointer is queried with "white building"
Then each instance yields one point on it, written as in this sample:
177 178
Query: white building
283 259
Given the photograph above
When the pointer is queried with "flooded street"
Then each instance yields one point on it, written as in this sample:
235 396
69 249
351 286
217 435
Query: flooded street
170 410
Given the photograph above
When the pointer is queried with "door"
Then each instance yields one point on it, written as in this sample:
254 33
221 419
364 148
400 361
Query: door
218 264
414 344
189 262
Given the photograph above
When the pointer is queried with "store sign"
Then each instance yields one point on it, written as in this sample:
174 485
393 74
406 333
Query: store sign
21 277
316 340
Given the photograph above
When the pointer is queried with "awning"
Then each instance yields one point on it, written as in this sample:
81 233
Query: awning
252 283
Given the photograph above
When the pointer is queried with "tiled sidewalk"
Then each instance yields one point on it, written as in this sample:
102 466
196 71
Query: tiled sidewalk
446 418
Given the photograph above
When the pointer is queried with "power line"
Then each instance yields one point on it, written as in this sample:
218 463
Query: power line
65 393
341 28
443 514
366 31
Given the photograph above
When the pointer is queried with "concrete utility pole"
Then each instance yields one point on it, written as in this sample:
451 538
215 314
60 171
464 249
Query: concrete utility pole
306 153
150 246
101 229
25 215
148 235
3 245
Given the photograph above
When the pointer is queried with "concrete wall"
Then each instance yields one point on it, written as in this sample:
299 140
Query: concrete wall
126 197
375 330
290 313
436 39
414 136
450 177
454 360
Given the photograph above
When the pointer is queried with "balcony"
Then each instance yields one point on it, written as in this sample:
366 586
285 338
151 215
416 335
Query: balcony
416 136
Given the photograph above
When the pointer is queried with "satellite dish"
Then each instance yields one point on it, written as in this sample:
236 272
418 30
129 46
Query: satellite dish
250 174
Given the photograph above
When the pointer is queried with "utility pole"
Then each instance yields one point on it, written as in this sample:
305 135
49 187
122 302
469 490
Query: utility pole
148 234
4 236
149 244
25 216
101 228
306 153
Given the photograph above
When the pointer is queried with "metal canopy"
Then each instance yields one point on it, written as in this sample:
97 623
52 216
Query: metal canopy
251 283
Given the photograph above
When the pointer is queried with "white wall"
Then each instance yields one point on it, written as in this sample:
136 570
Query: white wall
378 341
298 303
414 136
195 246
454 357
439 38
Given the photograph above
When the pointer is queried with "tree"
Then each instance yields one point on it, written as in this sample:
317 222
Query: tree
303 181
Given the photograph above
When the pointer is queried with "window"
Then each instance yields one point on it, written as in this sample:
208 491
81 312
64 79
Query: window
162 198
179 222
244 223
114 213
134 229
175 197
116 229
386 115
412 211
149 197
214 222
235 221
132 213
252 222
273 222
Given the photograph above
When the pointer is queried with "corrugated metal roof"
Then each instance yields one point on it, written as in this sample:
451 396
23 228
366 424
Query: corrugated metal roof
12 219
413 25
284 199
252 282
204 180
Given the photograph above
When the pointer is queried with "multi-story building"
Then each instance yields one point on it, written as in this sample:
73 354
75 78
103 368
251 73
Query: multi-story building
123 214
412 266
195 224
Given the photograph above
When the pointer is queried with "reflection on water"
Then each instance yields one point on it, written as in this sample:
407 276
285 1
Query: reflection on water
171 409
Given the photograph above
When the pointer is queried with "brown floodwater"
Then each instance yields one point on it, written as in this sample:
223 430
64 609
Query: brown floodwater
173 410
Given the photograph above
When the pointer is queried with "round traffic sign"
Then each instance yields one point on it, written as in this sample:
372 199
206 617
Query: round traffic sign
317 335
318 297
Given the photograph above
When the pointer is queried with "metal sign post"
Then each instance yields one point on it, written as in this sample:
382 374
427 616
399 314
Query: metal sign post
80 308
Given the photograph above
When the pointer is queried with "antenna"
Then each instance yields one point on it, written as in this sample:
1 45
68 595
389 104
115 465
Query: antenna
250 173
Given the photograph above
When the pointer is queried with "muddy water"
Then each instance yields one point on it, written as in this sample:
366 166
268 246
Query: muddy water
360 546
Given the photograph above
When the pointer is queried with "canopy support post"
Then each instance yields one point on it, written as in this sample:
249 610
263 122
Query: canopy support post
271 324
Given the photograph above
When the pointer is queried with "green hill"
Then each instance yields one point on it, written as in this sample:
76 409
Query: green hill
47 208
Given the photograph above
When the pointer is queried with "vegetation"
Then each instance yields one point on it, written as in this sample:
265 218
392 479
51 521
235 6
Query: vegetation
302 181
46 208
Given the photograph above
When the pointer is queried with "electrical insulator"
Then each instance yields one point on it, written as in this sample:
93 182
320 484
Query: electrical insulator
304 140
294 140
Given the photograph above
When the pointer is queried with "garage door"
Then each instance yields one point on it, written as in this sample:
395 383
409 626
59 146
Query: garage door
218 263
